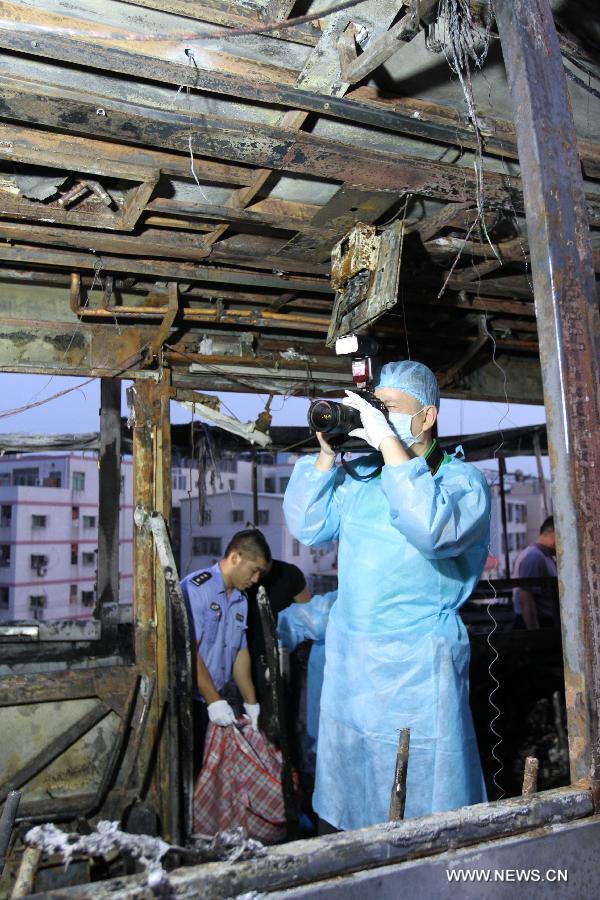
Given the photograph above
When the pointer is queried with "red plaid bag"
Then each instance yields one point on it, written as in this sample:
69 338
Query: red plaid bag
240 784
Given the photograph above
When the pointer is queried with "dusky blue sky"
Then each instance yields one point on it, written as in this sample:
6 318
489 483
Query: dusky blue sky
78 410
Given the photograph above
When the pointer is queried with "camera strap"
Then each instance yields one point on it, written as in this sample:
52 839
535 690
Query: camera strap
435 457
354 474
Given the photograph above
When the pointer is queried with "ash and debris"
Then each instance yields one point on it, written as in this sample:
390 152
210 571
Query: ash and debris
108 837
226 846
232 845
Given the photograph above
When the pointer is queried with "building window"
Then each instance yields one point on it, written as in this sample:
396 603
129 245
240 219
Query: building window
73 594
4 596
88 559
75 513
74 554
520 512
37 602
54 479
295 548
227 465
39 521
283 483
78 481
270 485
5 479
232 484
509 512
39 563
4 556
30 477
207 546
87 598
122 484
237 515
206 516
263 517
89 521
5 516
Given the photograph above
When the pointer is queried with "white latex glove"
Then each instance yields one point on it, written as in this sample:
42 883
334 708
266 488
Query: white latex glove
252 711
221 713
375 426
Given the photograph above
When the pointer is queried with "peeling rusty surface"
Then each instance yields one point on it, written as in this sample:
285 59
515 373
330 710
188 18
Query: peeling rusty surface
569 335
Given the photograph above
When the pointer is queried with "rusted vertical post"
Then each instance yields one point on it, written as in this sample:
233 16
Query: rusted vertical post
170 771
501 474
530 776
569 334
398 795
149 611
109 492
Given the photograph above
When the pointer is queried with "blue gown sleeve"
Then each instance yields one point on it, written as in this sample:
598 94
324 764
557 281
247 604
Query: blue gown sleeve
441 516
310 505
305 621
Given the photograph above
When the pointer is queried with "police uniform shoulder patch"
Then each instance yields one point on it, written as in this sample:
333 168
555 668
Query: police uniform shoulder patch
239 617
201 578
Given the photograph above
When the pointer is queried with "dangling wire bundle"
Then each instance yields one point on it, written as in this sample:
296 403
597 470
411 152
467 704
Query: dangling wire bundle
207 471
465 44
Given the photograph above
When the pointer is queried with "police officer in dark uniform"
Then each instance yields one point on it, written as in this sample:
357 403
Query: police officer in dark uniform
218 610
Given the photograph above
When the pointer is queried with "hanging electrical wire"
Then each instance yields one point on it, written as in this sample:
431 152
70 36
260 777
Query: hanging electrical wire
465 43
20 409
583 84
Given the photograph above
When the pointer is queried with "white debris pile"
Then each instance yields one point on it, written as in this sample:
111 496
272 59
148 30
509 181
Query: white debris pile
233 845
108 837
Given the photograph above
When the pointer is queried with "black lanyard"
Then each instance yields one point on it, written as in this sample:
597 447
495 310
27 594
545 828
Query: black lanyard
434 458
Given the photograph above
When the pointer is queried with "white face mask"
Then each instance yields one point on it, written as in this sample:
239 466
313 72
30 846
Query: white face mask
402 425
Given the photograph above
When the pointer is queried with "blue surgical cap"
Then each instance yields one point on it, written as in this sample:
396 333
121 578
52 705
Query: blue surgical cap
411 378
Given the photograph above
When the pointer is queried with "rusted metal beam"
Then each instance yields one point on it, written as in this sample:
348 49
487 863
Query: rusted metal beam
380 50
113 686
398 796
168 319
365 105
151 242
55 748
142 400
136 202
35 345
38 147
235 15
109 495
152 492
309 862
7 821
163 269
267 146
180 681
569 329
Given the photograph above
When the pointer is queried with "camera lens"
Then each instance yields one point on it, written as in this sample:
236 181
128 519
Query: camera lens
332 418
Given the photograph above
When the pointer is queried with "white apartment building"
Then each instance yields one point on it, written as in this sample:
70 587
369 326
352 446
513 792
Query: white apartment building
524 516
230 508
49 536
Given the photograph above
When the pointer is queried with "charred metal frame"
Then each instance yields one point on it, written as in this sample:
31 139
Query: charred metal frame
569 335
568 326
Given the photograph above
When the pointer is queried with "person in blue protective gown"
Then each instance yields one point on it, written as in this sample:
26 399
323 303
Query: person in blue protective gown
413 530
308 622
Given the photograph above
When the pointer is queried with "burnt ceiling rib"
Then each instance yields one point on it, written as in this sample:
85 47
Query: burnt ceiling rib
230 167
